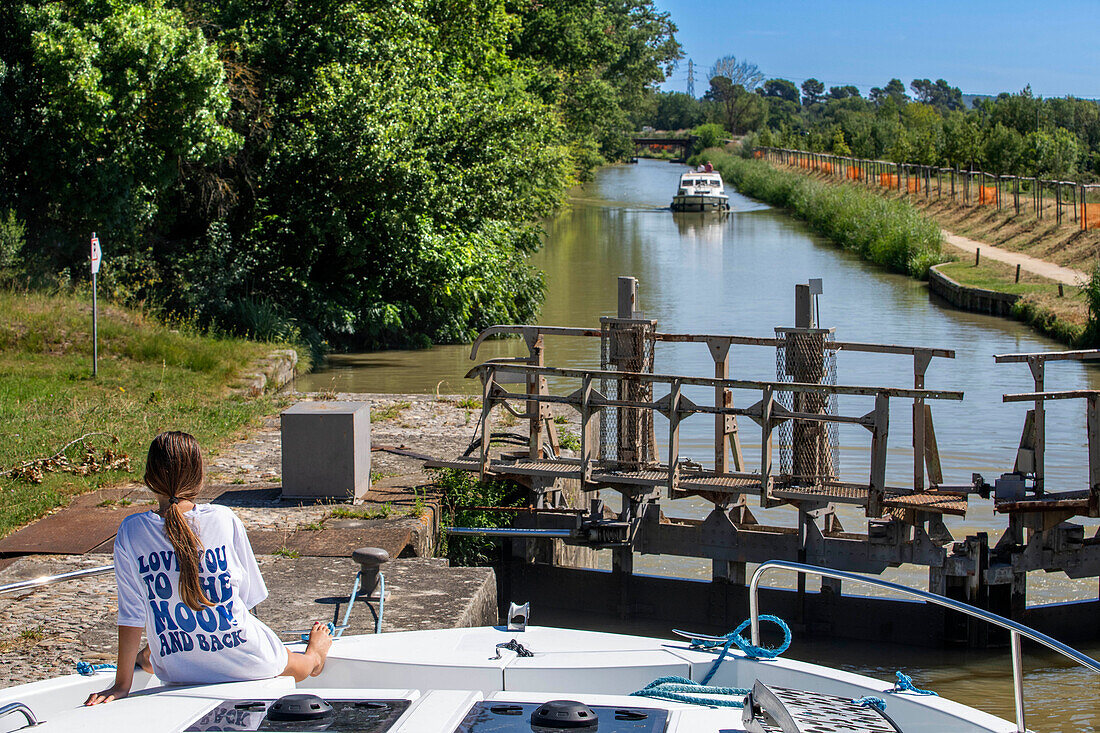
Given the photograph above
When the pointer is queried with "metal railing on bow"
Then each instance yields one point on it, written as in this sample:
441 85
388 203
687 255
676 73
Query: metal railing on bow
1016 630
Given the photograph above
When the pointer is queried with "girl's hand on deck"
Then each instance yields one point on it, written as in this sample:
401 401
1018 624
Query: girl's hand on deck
113 693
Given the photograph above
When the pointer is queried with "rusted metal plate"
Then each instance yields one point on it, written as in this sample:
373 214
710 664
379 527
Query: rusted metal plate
71 531
110 496
1043 505
331 542
955 504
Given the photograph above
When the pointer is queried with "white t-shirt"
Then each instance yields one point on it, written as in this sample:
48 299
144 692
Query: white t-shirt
220 643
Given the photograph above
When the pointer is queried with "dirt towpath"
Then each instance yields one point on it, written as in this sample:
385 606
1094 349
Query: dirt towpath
1035 266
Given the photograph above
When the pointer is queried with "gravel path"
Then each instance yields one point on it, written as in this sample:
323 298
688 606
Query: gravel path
1027 263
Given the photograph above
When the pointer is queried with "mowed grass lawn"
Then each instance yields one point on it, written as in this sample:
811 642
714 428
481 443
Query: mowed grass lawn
151 378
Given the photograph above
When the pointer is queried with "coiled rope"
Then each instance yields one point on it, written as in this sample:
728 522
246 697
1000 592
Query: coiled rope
869 701
88 669
751 650
681 689
905 684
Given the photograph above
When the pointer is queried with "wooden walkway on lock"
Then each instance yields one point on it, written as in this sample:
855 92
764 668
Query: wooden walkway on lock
726 484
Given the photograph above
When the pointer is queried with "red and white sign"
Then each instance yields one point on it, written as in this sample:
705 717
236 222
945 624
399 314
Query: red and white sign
97 255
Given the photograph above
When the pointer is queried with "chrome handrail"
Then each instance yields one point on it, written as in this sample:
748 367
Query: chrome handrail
1015 629
18 707
51 579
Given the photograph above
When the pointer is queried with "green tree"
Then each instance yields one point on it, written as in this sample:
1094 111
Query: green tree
812 91
122 97
594 60
1052 154
780 89
677 111
1003 150
839 146
962 139
843 92
744 110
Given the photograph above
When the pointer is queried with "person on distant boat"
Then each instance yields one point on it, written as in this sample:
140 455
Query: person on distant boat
186 576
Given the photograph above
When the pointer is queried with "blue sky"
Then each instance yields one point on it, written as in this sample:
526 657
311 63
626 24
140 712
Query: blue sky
980 47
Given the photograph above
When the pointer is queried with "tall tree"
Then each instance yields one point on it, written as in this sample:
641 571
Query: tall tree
594 60
812 91
780 89
744 110
745 74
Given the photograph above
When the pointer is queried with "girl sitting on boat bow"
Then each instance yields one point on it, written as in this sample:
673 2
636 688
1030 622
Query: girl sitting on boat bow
187 576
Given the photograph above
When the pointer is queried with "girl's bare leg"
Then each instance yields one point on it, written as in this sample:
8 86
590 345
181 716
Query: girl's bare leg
309 663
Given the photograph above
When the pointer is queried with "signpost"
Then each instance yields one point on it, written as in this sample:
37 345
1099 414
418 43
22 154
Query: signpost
97 257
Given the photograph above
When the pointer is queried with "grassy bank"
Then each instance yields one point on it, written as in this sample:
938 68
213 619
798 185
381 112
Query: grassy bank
889 233
1062 317
151 378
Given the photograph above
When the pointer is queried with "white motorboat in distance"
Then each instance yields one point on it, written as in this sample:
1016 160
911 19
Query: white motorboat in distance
701 191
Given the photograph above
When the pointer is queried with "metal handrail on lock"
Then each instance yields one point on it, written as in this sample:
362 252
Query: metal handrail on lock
51 579
1016 629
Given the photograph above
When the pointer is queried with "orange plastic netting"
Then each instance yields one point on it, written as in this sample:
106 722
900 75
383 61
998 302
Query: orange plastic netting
1090 215
758 154
913 185
890 180
987 195
854 174
826 167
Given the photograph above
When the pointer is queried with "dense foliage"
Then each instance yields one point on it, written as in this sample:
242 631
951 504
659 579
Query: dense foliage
1017 134
889 232
460 493
359 172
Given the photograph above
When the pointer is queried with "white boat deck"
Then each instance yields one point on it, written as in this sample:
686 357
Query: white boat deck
443 673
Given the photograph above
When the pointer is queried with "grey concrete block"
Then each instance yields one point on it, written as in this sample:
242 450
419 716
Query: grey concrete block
326 450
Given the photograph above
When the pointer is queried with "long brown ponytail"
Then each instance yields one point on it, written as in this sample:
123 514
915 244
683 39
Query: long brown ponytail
174 470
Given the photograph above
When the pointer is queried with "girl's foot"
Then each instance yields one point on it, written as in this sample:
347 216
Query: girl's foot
320 641
143 660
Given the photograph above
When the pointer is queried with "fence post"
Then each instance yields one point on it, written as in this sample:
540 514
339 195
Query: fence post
1058 202
1039 195
1016 193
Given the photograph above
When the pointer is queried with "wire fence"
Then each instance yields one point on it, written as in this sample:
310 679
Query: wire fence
1052 200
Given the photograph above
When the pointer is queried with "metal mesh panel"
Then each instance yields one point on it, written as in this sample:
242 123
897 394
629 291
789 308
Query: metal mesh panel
807 448
626 433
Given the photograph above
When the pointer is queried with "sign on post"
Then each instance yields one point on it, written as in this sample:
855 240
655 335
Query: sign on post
97 257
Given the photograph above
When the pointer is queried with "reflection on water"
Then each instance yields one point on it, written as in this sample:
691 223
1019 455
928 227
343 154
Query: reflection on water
735 274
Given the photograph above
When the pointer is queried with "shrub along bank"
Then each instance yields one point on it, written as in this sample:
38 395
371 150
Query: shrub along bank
889 233
152 377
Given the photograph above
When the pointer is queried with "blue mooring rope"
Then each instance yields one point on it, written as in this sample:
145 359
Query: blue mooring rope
905 684
869 701
681 689
331 629
87 668
750 650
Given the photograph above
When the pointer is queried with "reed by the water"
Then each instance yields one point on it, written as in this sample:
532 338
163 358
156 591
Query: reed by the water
889 233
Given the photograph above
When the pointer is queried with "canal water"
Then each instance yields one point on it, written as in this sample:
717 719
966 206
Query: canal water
735 274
